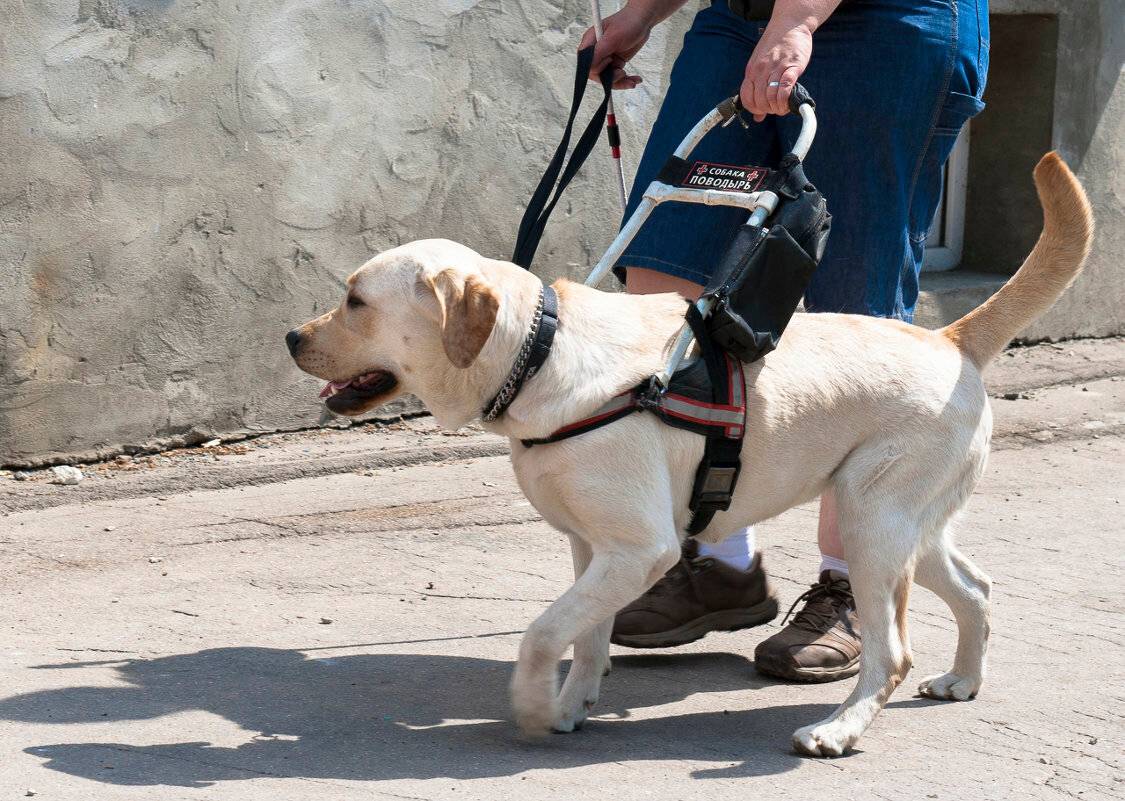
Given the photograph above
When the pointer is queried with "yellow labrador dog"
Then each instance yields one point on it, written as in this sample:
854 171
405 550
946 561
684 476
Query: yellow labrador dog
892 417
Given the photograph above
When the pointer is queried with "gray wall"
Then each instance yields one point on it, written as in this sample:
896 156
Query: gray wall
1089 131
1002 214
181 182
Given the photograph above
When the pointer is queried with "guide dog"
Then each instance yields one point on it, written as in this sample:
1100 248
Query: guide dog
892 417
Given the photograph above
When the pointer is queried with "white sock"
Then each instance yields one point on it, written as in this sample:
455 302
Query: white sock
832 563
737 550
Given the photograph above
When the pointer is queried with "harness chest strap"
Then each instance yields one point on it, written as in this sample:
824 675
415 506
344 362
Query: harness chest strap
674 407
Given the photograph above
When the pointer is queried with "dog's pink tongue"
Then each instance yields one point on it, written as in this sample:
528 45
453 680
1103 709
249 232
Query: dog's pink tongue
332 387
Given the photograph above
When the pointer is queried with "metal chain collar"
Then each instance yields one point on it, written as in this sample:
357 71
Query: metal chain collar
512 383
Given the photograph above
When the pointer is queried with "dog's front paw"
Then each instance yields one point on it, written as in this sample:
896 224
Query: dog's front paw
823 739
950 687
536 719
535 707
572 719
575 703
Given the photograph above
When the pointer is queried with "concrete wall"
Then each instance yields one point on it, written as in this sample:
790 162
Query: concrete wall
1002 214
1055 82
1090 133
181 182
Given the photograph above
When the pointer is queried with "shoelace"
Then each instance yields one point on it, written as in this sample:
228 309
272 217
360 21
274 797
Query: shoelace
671 580
834 594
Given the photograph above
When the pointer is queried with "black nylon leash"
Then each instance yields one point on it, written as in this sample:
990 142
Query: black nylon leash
542 202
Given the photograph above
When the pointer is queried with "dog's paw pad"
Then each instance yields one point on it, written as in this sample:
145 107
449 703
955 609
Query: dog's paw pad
949 687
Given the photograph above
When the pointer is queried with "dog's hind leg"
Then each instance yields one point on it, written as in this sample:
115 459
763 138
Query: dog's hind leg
618 572
591 658
957 581
880 536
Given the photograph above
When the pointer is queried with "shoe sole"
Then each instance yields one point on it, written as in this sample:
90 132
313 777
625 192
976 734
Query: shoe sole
723 620
785 670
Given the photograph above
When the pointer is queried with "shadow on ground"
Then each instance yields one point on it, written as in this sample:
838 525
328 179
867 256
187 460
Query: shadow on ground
395 716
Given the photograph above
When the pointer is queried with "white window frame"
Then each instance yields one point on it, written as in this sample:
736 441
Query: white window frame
947 232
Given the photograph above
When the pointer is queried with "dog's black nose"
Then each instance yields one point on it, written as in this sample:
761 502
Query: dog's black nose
293 340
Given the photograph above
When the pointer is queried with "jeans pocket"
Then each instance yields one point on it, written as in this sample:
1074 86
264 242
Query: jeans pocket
955 112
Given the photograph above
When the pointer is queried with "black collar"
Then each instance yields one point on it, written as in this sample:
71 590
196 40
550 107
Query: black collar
536 347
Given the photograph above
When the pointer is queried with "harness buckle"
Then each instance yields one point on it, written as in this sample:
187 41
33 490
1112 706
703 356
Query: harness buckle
648 394
719 482
714 486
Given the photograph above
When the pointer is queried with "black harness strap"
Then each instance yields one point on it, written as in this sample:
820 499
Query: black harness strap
539 208
619 406
718 471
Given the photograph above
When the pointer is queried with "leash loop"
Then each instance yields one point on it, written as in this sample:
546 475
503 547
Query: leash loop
539 208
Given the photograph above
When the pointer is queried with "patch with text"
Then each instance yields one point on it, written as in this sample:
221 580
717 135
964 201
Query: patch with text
705 175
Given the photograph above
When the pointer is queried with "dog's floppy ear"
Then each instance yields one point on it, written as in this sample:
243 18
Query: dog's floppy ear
468 313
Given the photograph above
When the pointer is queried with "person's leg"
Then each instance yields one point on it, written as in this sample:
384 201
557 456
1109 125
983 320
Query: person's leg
899 100
719 586
828 537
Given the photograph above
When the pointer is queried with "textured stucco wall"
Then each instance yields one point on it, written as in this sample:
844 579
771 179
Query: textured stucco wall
180 182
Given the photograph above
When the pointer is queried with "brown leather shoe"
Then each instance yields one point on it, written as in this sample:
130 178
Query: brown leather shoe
699 594
822 642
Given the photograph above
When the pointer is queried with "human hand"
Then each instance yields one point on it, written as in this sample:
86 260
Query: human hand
774 67
623 34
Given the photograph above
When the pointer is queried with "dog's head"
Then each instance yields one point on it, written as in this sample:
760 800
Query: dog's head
409 314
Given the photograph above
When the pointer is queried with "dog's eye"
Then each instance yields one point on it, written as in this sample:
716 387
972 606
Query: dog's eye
354 302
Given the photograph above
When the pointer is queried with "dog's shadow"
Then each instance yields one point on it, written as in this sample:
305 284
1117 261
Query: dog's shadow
394 716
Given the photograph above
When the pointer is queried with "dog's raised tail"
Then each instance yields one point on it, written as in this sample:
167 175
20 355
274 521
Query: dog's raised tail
1054 263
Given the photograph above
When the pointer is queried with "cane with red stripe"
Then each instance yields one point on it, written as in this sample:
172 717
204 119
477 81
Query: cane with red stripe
611 129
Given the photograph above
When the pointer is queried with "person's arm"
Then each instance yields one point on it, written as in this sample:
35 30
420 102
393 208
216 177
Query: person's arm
623 34
782 55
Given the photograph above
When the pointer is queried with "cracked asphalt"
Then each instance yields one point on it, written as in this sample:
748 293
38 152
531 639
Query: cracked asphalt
334 615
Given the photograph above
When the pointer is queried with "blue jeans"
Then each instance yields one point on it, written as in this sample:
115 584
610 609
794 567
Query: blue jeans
893 80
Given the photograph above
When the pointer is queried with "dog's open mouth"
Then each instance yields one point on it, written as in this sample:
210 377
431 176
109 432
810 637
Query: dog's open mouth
357 394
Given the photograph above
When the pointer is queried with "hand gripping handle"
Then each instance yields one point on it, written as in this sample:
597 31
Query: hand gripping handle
797 98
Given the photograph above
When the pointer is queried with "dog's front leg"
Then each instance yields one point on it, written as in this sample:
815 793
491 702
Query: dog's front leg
613 578
591 657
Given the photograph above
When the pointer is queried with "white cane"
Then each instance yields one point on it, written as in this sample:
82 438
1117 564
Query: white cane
611 118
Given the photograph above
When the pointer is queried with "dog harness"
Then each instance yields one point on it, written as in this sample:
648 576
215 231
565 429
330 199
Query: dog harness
752 294
706 397
696 400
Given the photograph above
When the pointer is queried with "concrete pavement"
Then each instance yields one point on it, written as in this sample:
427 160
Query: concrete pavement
334 615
